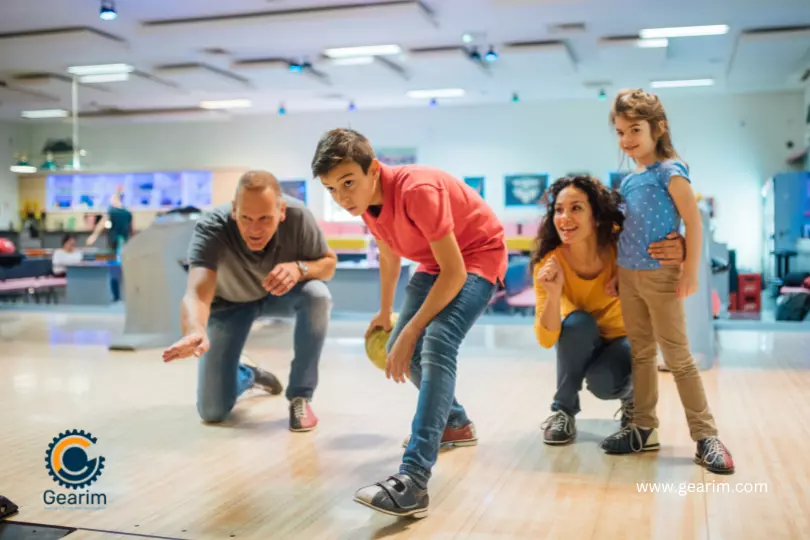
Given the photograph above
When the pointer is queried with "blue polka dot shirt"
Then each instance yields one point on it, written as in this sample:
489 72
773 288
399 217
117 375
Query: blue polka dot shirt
650 212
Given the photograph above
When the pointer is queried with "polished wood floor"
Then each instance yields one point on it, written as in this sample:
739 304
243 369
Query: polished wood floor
167 475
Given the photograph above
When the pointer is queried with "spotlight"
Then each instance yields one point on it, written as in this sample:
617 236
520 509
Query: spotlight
491 55
107 11
282 111
433 102
515 98
352 106
475 55
295 67
602 95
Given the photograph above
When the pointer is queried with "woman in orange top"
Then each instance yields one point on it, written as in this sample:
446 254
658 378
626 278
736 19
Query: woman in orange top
578 309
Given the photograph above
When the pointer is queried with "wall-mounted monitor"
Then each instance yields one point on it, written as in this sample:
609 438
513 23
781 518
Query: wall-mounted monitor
162 190
295 188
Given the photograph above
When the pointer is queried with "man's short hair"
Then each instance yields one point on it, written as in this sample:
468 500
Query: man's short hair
341 145
256 181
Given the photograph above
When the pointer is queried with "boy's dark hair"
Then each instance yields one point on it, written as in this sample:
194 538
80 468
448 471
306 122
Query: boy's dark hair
66 237
340 145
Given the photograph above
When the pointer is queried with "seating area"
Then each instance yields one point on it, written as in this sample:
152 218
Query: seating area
29 280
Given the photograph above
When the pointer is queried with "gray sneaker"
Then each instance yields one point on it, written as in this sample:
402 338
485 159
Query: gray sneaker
267 381
559 428
262 378
398 495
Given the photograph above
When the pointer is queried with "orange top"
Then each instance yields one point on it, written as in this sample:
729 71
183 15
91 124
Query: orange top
422 205
580 294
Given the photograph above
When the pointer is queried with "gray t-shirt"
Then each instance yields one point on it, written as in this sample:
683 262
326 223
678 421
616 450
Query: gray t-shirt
217 245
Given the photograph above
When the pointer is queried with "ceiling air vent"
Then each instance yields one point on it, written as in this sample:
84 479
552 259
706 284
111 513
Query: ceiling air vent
567 28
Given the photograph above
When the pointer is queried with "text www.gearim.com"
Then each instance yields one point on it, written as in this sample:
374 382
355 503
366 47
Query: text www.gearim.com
701 487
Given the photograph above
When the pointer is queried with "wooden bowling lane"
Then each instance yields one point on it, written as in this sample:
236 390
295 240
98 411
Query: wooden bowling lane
168 475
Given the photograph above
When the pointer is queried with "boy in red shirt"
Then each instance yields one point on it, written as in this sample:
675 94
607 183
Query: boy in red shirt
437 221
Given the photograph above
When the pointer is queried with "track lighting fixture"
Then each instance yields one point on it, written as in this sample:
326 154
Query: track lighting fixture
107 11
491 55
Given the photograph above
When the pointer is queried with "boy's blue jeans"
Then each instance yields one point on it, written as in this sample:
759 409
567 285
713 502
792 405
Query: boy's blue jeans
433 367
222 379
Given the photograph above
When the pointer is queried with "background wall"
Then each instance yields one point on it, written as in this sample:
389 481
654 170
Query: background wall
13 138
807 117
732 144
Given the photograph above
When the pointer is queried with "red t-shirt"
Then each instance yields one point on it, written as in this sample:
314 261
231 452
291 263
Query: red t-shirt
422 204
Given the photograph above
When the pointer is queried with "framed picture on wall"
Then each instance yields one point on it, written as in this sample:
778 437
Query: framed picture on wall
524 189
615 178
295 188
476 182
396 156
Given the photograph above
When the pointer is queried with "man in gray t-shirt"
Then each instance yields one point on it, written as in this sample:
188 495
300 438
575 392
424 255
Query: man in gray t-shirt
263 254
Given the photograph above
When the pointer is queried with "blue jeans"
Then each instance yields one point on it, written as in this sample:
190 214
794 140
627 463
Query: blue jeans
222 379
433 367
582 355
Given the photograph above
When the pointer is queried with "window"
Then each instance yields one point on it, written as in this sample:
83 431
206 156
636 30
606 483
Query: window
333 212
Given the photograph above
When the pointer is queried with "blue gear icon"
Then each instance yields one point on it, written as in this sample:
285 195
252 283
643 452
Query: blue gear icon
67 462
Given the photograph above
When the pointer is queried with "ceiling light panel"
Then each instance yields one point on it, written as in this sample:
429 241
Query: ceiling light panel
684 31
370 50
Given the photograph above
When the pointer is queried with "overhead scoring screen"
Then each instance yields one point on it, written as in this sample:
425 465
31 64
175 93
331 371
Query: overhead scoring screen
141 191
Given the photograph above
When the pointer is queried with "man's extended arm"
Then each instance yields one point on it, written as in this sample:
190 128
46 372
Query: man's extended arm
195 307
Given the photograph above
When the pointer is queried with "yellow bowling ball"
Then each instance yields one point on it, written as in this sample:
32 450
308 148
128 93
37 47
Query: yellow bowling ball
376 342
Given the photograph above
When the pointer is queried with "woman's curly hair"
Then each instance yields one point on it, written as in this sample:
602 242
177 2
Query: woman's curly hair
607 215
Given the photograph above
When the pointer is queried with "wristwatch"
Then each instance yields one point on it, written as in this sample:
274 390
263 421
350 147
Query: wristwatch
303 268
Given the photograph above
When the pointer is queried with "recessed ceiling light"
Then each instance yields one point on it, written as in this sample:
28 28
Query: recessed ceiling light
467 38
682 83
657 43
353 61
104 78
438 93
685 31
45 113
103 69
371 50
226 104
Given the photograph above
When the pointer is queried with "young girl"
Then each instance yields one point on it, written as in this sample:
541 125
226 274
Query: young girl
430 217
658 196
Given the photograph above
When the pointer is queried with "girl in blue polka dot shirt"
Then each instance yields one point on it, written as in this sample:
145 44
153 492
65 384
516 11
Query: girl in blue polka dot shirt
657 197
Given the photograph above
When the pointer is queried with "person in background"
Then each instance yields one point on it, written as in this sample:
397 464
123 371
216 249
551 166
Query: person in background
121 229
65 255
121 224
425 215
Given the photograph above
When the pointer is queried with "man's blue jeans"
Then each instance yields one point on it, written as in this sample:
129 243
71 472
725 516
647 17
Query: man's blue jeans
433 367
221 378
